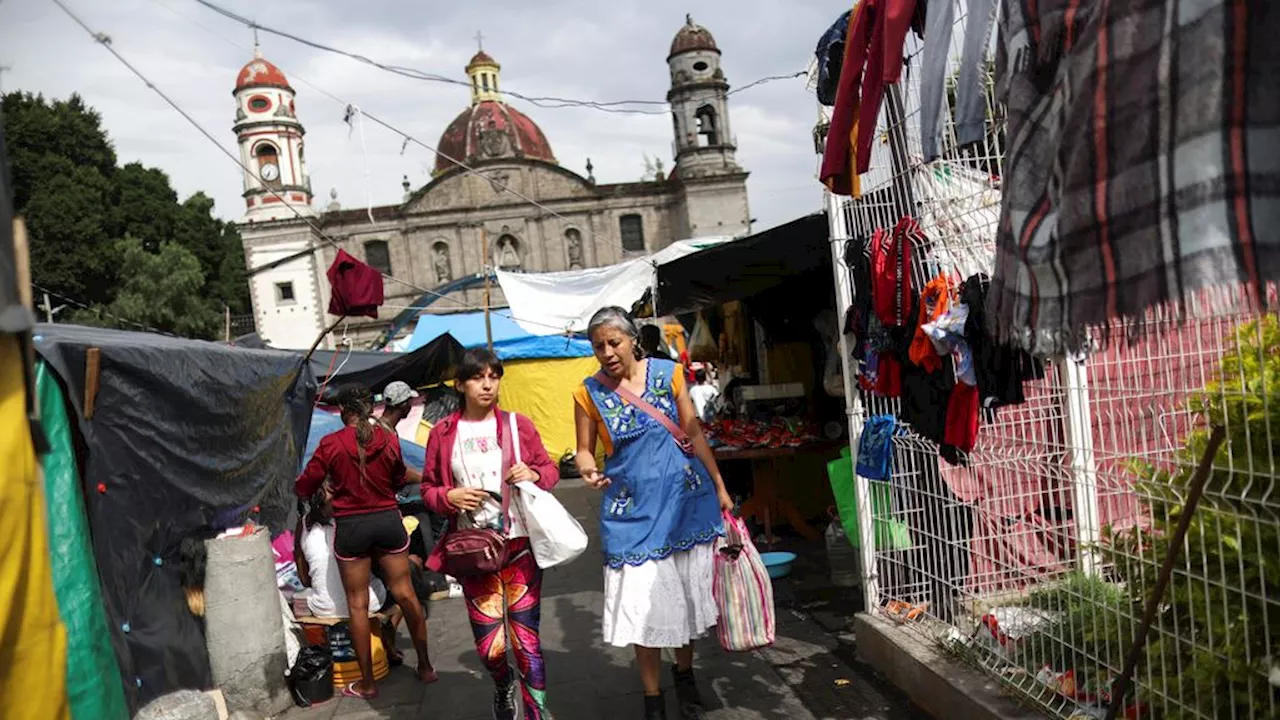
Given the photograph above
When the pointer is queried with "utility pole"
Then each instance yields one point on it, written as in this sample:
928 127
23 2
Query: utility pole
226 313
484 254
48 309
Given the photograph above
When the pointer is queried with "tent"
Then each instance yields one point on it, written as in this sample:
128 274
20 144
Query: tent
429 363
177 439
541 371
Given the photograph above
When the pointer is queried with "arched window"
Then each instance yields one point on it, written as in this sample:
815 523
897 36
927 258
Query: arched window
378 256
268 158
508 252
707 133
631 227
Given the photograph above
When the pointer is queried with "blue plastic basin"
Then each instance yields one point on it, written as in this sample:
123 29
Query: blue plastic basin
778 563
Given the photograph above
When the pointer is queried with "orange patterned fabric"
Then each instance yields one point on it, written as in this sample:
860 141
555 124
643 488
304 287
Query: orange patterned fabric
934 302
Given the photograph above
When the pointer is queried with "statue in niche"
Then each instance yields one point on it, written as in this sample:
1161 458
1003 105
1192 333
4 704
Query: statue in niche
494 142
573 242
508 253
444 272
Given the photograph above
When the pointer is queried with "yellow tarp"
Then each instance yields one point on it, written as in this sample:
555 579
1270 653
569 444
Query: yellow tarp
542 390
33 642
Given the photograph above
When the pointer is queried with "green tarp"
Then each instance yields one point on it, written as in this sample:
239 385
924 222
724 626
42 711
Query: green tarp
93 678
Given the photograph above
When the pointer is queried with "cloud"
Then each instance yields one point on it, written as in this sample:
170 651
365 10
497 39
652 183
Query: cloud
564 48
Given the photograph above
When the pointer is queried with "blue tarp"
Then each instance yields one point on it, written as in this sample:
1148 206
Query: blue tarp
324 423
510 341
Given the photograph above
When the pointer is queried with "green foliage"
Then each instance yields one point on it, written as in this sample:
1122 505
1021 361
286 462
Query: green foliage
1090 632
1223 598
79 207
161 289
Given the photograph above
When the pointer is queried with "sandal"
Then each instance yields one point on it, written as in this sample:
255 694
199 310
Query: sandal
351 692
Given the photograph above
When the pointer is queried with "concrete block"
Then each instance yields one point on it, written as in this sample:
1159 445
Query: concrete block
936 682
180 705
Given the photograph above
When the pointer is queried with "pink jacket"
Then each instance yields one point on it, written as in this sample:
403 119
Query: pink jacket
437 471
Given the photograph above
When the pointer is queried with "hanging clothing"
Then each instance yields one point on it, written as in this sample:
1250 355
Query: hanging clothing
1140 170
873 58
999 369
924 394
355 288
892 288
505 608
970 108
947 335
830 55
962 419
934 302
658 518
875 448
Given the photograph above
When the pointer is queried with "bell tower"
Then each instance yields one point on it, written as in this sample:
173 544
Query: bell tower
271 145
715 192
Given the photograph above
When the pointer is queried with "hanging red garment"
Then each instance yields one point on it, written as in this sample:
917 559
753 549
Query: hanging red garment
891 287
872 58
962 418
355 289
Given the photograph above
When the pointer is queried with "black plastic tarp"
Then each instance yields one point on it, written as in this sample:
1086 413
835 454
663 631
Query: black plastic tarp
430 364
743 268
187 437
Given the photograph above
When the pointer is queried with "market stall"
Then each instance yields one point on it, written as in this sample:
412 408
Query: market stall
763 322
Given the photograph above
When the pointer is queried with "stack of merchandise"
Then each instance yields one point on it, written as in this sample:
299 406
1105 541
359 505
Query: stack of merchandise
779 433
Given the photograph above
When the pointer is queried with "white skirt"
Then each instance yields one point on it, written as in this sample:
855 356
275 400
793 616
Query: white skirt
662 603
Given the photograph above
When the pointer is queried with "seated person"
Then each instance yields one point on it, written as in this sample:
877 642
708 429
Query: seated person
318 566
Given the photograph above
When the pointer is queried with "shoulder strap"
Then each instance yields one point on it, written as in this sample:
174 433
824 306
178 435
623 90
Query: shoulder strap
653 412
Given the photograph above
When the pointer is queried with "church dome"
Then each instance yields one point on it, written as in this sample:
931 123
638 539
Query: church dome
692 37
260 72
491 129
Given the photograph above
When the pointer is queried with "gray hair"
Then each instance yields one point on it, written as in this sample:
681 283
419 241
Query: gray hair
618 319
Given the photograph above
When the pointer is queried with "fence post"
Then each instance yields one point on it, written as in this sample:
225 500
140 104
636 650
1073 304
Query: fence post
840 232
1083 464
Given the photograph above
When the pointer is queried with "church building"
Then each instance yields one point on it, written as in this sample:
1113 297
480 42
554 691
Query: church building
491 160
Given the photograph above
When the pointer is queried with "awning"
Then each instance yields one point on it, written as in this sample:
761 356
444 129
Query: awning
430 364
745 267
510 340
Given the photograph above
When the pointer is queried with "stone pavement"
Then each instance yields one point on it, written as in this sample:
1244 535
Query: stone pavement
809 674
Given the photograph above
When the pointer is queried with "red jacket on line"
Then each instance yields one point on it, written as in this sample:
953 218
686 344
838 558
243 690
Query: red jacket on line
337 457
437 470
872 59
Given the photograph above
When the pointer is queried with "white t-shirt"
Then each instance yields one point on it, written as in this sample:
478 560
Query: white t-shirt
328 598
477 463
703 396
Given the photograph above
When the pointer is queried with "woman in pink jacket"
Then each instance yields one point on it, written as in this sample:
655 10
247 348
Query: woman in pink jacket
463 473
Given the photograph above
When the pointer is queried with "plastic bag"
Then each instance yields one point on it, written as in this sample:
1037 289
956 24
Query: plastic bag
311 678
702 346
743 591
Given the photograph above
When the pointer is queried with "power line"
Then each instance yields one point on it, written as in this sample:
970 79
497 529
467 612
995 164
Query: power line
616 106
100 311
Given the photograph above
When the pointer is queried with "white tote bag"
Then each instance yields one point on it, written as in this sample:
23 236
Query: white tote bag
554 533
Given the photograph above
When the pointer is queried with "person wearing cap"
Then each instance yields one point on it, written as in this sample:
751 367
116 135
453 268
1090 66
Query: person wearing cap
397 400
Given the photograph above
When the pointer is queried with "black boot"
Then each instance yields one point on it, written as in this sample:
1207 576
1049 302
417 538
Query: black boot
504 700
655 707
687 694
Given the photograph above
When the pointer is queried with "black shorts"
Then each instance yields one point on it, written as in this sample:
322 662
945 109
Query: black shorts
359 536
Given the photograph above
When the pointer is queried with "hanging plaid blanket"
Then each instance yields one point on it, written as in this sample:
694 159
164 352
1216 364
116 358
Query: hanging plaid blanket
1143 163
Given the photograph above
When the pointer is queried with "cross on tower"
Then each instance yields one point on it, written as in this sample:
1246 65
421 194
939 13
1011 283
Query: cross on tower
480 39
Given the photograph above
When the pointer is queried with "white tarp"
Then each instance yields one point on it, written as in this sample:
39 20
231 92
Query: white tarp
555 302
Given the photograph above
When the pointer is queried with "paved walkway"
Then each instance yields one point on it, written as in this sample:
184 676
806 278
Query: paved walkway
803 677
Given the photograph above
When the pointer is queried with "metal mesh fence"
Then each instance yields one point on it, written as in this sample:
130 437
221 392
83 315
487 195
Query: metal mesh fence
1033 556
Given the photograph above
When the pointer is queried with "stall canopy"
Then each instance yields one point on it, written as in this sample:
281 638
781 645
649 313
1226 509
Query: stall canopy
549 303
430 364
743 268
510 339
180 438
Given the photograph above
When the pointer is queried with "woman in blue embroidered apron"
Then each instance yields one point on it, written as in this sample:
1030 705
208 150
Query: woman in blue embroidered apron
661 510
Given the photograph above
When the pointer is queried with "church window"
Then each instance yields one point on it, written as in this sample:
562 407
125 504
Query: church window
632 229
707 134
259 103
284 293
378 256
485 78
700 66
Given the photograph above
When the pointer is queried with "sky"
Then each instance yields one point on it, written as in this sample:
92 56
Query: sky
580 49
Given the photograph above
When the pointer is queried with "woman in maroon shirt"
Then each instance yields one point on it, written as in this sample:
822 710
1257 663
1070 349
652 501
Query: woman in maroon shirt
365 469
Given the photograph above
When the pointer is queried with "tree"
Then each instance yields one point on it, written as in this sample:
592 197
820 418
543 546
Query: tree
160 289
79 206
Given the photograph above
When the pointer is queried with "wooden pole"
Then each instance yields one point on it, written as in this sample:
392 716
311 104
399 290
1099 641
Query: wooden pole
226 314
484 253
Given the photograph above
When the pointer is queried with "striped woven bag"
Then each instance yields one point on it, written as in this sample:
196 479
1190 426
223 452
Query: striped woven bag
742 590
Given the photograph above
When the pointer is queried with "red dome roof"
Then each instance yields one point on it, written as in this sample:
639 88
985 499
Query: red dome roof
490 130
692 37
259 72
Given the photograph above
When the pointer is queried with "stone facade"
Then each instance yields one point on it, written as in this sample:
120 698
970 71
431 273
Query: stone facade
435 236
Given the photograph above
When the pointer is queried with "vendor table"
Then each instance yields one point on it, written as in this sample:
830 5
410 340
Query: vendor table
765 503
